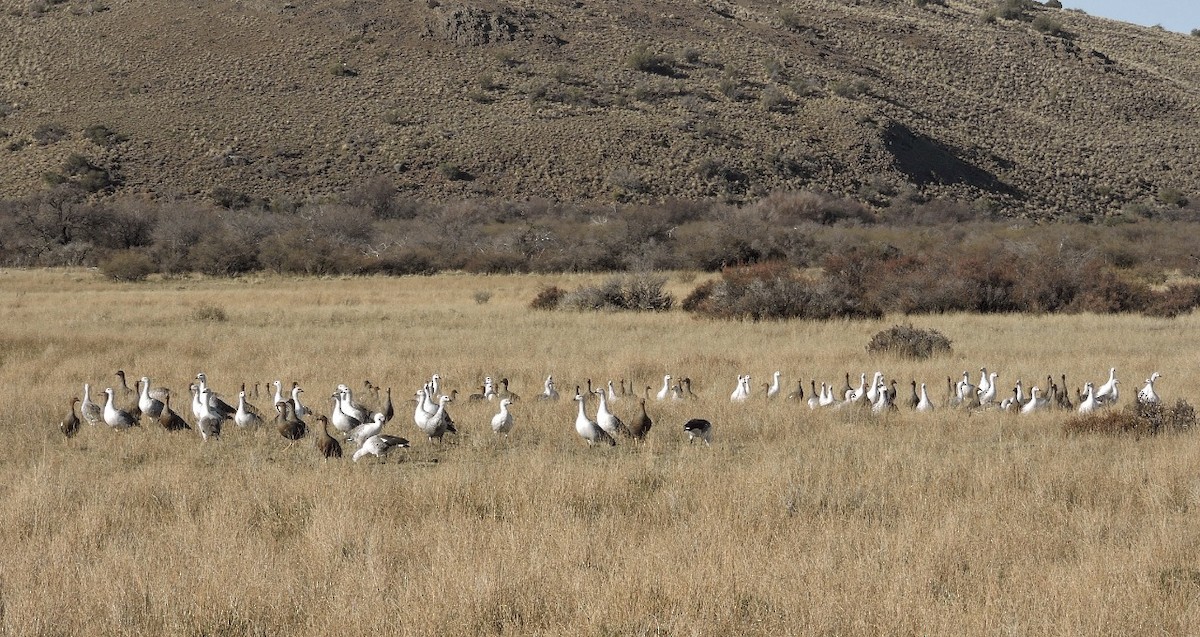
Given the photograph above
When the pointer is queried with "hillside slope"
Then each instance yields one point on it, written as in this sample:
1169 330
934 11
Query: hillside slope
601 100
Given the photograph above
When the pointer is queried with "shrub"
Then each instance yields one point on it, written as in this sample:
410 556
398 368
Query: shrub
647 61
482 296
790 19
1012 9
1053 4
1049 26
128 265
101 135
1169 196
1139 419
773 100
209 312
909 342
47 134
642 293
453 172
341 69
548 298
850 89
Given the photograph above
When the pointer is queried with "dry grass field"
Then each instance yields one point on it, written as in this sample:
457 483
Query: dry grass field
792 522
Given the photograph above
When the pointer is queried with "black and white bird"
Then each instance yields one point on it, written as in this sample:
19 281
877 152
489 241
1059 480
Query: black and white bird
1147 394
380 446
698 429
587 428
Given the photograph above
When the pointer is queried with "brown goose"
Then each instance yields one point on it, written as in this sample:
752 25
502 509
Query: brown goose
505 393
288 425
327 445
70 425
388 409
170 420
641 423
914 399
798 393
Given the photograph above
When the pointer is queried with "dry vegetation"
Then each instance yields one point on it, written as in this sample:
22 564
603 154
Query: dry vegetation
1042 111
790 523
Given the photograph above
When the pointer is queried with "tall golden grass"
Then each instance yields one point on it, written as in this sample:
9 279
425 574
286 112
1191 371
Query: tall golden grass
792 522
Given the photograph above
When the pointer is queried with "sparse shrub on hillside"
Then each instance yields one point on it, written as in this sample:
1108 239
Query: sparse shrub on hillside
1138 419
791 19
227 197
690 55
1049 26
1012 9
1196 33
101 135
128 265
774 291
628 181
907 341
1169 196
1173 301
46 134
850 89
341 69
482 296
773 99
644 59
453 172
924 3
1053 4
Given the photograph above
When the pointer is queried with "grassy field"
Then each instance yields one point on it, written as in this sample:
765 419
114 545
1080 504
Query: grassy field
792 522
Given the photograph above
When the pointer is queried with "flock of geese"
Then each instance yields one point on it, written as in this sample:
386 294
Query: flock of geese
360 423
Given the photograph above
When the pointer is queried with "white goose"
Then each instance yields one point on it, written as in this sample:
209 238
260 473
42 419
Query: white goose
341 420
278 391
116 418
548 391
773 390
150 404
502 423
244 417
301 410
612 393
985 382
666 388
857 394
1111 397
814 401
883 399
380 446
1035 403
439 424
209 421
1147 394
827 398
1088 404
607 420
924 404
987 392
365 431
351 408
587 428
92 412
873 389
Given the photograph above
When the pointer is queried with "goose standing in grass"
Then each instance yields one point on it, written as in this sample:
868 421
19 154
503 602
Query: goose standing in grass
1111 397
548 390
489 388
389 410
301 410
245 415
885 399
1036 403
827 398
380 446
502 423
612 393
92 412
987 393
126 395
219 407
439 424
985 381
351 408
773 390
687 389
327 445
170 420
587 428
342 421
874 387
1064 401
797 394
741 392
857 394
924 404
814 401
70 425
287 423
641 423
150 400
666 388
1012 403
364 431
607 420
209 421
1107 388
1088 404
1147 394
279 397
914 398
114 417
698 428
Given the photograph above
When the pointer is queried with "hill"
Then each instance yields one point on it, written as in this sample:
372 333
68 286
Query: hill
1034 110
